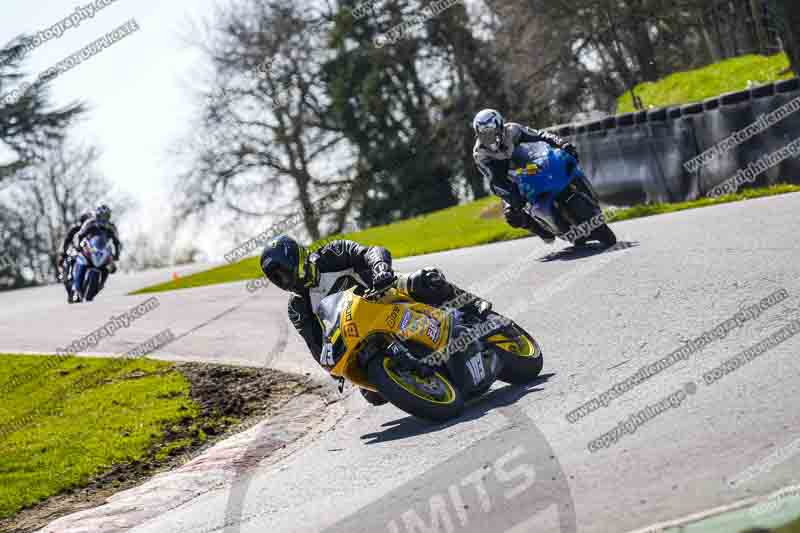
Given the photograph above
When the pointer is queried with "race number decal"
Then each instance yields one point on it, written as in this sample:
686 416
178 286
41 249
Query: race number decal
326 357
475 367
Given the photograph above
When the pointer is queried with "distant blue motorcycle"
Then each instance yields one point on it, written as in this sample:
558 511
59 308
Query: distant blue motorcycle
559 196
92 265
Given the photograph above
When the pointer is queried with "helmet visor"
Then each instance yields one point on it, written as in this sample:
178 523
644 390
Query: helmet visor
280 276
489 136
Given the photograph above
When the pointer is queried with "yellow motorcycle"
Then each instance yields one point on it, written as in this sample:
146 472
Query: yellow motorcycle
425 360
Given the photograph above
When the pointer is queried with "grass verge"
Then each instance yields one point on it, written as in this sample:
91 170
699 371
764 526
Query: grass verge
456 227
660 209
89 427
791 527
471 224
697 85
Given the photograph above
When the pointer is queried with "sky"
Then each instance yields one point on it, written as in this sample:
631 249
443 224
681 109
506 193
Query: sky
138 90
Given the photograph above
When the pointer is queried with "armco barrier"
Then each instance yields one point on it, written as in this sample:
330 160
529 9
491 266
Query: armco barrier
639 157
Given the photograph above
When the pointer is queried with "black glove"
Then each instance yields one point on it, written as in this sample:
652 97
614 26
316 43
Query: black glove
515 217
382 277
515 200
434 278
571 150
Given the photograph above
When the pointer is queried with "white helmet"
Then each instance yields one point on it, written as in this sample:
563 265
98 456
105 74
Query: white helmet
488 125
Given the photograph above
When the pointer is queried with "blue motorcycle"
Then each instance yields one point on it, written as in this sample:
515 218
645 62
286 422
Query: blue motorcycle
92 265
559 196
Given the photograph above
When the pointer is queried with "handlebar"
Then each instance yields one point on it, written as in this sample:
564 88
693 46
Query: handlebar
372 294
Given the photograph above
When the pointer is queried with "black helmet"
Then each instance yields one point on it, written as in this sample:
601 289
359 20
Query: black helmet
283 262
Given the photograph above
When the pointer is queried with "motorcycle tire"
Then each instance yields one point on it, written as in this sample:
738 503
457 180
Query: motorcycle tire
92 285
407 390
583 210
522 357
605 235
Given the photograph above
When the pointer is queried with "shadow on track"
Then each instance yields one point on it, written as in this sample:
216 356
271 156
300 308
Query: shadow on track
579 252
409 426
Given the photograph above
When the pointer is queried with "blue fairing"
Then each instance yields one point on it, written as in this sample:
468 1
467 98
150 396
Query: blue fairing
552 173
541 173
83 266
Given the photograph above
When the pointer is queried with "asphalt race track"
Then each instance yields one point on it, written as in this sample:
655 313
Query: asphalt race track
513 463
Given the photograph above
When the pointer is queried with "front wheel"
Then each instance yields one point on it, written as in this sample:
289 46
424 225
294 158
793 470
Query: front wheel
92 282
433 398
521 354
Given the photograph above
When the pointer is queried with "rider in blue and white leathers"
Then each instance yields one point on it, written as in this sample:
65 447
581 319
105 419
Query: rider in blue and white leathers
495 143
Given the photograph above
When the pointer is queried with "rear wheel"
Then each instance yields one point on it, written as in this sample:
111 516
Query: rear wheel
605 235
583 210
521 354
433 398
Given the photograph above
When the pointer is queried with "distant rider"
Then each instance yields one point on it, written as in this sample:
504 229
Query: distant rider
100 223
68 243
341 265
495 143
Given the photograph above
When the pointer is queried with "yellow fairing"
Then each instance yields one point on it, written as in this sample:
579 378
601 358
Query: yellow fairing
394 315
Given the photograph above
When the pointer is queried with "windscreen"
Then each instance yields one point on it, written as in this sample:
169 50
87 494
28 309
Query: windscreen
330 310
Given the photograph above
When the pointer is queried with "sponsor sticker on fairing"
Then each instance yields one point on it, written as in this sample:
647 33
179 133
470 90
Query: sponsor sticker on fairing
350 329
434 329
404 323
392 320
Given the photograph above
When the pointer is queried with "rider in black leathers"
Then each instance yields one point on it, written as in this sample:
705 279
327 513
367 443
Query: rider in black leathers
64 265
339 266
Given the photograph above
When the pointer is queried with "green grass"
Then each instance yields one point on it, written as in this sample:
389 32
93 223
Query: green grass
791 527
456 227
697 85
659 209
471 224
75 421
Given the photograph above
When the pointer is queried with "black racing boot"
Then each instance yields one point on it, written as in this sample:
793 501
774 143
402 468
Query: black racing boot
537 229
373 398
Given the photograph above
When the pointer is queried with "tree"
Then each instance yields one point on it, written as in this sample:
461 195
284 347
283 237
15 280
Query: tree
28 125
43 202
265 139
566 57
384 99
30 130
787 15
